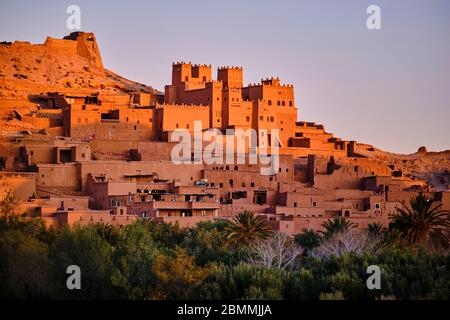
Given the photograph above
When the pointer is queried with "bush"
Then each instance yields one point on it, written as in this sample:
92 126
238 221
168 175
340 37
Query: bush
147 260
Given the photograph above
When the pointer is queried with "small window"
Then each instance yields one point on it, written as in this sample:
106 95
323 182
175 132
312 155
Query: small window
278 103
247 118
243 184
252 184
290 103
270 102
295 204
314 204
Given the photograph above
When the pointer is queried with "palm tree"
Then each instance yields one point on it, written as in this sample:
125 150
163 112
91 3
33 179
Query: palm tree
245 228
107 232
422 224
375 229
338 224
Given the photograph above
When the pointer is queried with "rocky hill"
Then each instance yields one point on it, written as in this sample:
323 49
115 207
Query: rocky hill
431 166
72 64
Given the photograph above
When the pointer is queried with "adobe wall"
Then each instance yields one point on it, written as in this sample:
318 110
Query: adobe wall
112 131
58 176
182 117
147 150
16 104
186 174
23 185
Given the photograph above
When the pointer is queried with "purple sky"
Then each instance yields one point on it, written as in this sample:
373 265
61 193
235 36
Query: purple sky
388 87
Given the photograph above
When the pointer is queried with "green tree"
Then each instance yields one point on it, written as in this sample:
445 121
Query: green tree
375 229
337 224
84 247
207 242
133 259
23 265
244 281
422 224
245 228
177 276
165 235
8 204
107 232
308 240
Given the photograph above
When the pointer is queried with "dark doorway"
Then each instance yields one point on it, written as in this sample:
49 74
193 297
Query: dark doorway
260 197
65 156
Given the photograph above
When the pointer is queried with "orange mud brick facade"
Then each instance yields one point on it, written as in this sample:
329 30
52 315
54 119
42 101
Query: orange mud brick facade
96 147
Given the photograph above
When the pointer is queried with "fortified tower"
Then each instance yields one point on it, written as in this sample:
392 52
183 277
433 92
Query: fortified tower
232 77
87 47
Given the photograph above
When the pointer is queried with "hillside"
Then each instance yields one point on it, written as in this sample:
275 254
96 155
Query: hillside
431 166
72 64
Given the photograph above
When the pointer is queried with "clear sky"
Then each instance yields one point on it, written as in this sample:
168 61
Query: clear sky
388 87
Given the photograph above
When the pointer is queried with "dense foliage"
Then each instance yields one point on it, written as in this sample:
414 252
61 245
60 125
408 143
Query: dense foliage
147 260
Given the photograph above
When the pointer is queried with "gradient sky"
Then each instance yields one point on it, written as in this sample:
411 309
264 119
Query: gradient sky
389 87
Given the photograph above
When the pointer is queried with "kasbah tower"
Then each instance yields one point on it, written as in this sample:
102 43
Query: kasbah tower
84 145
